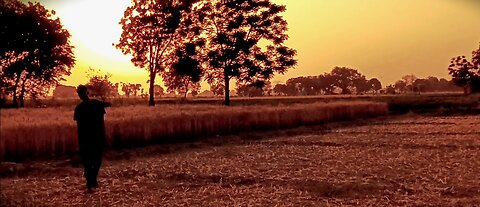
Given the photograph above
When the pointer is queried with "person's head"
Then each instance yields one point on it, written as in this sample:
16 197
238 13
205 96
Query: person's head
82 92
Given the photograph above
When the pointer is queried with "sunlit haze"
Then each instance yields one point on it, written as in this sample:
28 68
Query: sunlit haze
381 38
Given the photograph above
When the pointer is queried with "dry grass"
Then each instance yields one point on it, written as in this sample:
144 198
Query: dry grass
406 161
34 133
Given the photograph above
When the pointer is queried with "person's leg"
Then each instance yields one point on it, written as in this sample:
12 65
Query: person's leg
87 169
91 177
97 163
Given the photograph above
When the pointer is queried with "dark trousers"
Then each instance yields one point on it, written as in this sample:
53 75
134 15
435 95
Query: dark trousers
91 165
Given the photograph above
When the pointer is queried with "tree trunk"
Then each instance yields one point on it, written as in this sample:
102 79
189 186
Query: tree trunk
186 88
15 100
227 90
467 88
22 94
151 101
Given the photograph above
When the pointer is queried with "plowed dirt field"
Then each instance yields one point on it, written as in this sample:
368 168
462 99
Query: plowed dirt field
409 160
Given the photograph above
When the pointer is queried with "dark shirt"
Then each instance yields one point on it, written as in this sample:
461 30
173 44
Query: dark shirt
90 123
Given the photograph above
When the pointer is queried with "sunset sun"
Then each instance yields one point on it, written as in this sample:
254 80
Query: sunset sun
94 25
94 28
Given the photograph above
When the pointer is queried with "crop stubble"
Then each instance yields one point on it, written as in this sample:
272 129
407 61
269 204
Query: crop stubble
411 160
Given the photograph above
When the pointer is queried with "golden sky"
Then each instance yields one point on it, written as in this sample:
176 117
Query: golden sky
385 39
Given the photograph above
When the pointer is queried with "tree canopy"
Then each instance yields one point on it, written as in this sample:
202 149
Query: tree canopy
130 89
252 90
152 33
99 85
466 73
186 40
233 31
347 79
35 49
185 74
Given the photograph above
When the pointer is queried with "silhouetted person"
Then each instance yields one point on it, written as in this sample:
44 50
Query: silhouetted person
91 134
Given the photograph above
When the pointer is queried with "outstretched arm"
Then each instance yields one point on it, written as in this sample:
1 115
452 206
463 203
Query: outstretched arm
107 104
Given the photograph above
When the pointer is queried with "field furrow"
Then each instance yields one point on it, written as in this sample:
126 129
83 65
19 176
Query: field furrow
405 161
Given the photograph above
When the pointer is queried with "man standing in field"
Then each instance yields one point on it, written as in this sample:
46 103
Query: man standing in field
91 134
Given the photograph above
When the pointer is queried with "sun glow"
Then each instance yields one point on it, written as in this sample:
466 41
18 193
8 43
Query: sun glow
94 28
382 39
90 22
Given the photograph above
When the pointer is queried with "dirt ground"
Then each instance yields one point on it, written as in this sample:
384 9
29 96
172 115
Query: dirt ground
410 160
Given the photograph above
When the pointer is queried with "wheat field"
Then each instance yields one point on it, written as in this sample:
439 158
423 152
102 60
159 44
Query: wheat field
33 133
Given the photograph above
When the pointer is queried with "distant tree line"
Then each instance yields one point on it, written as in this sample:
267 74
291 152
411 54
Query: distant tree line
330 83
341 80
100 86
412 84
324 84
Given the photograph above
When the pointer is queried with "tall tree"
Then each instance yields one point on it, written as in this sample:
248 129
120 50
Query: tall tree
181 84
465 73
152 30
306 86
476 57
253 90
345 78
327 83
234 29
433 83
283 89
421 85
409 79
35 51
374 84
100 85
462 70
361 85
390 89
400 86
185 74
131 89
